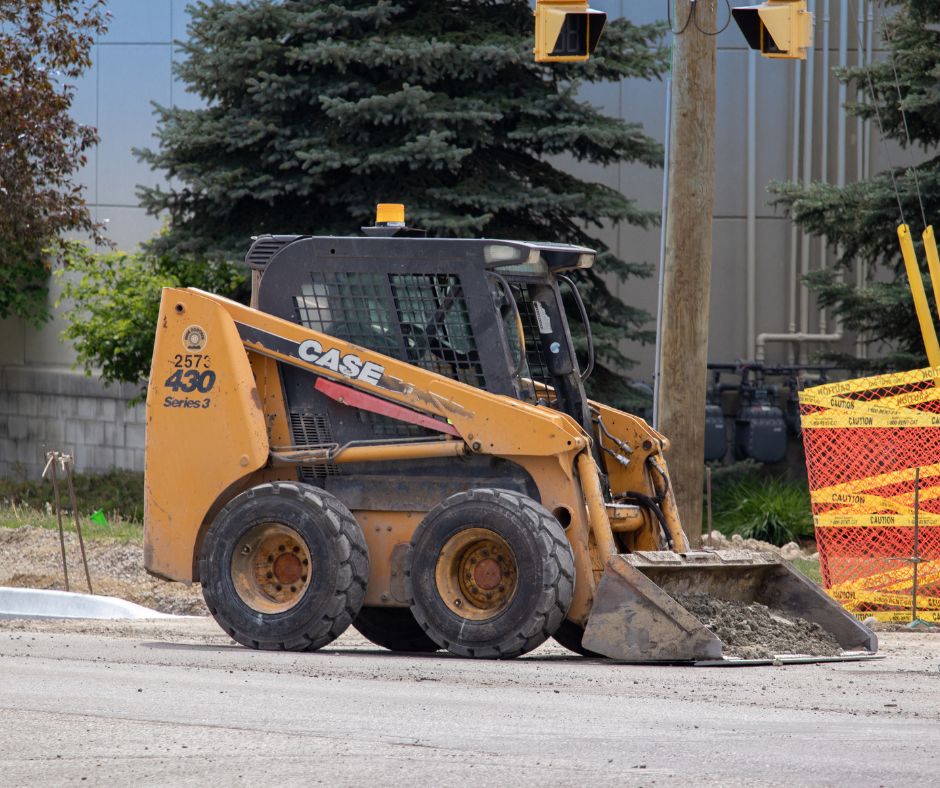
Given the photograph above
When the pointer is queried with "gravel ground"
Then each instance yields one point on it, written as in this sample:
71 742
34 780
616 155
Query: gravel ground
31 558
174 703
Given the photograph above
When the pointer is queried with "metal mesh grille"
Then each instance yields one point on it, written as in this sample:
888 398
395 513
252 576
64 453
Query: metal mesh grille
436 327
312 430
349 305
430 327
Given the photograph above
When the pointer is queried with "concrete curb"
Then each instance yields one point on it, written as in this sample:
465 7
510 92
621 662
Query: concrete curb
36 603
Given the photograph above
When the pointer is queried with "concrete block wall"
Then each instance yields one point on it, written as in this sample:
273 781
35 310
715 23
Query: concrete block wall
43 409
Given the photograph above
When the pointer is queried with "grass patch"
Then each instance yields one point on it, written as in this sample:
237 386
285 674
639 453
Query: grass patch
119 494
809 568
769 508
124 531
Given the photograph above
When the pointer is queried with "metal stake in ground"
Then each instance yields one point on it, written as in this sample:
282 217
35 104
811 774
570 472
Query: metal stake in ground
915 559
708 497
67 462
50 468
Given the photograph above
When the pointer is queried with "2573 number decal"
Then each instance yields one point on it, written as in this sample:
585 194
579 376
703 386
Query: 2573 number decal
187 381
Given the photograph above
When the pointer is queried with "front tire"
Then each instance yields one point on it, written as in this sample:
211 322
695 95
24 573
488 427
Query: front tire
284 566
490 574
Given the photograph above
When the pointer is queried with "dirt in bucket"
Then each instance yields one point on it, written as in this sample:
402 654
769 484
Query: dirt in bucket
753 631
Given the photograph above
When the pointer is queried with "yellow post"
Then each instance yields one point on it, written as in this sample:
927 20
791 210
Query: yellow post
920 297
933 263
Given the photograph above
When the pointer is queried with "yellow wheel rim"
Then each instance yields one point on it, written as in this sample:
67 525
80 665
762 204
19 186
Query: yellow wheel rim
476 574
271 568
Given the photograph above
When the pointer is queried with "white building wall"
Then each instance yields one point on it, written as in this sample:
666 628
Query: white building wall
133 68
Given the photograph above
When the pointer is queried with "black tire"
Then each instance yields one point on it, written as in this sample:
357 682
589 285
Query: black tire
539 567
569 635
393 628
284 566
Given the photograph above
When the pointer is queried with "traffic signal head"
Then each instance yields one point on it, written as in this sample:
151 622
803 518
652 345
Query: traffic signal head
778 28
566 30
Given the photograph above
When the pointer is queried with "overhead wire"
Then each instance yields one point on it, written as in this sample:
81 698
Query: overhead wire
881 128
688 18
712 32
692 18
884 143
907 132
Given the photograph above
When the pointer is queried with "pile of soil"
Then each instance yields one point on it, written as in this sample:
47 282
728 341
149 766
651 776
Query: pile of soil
790 551
753 631
31 558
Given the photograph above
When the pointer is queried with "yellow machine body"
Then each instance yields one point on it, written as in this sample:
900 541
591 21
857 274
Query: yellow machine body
217 426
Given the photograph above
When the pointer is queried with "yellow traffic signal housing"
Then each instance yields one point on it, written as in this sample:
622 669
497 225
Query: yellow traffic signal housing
566 31
778 28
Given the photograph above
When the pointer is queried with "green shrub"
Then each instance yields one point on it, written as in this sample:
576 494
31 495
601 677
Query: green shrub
114 303
771 509
117 492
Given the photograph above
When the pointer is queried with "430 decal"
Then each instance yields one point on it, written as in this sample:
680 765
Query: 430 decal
186 381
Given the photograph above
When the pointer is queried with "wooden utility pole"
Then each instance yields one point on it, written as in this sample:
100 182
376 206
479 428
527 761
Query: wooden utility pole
683 342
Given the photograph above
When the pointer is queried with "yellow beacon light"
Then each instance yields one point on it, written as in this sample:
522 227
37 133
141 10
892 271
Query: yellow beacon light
390 214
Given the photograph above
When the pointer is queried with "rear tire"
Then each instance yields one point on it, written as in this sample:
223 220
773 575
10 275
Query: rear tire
490 574
284 566
393 628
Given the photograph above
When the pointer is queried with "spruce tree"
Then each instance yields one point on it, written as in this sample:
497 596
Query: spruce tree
316 111
860 220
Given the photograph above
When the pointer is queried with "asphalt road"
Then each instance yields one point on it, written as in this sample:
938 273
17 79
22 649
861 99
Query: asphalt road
176 705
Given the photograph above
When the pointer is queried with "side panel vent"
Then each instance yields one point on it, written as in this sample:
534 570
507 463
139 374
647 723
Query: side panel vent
313 430
385 427
264 248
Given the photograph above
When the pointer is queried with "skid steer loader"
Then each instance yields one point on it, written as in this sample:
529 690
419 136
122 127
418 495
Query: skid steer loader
397 437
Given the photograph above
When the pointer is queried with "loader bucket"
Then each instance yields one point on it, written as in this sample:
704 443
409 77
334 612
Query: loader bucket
635 616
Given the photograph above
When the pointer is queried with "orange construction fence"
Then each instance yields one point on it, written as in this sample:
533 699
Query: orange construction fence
866 442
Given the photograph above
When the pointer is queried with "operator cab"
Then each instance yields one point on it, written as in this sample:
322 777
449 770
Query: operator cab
488 313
